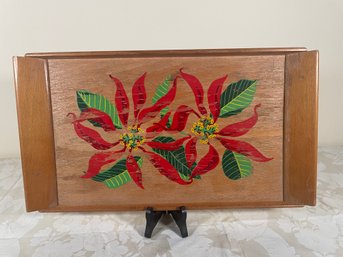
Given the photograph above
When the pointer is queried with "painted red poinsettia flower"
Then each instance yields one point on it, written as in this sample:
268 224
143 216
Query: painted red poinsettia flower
133 137
206 129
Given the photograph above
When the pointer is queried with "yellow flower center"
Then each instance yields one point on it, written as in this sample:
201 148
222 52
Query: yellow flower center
205 128
134 138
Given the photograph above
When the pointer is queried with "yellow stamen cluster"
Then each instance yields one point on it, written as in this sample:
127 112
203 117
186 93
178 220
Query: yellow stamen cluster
135 129
134 138
205 128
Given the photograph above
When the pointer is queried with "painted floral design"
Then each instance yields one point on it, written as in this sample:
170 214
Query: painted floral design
176 159
132 138
235 161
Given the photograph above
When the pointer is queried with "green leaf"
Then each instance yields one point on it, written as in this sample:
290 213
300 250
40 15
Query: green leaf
162 90
86 99
118 180
236 166
117 175
236 97
177 158
117 168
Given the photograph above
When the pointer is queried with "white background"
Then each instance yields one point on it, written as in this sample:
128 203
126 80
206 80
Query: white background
42 25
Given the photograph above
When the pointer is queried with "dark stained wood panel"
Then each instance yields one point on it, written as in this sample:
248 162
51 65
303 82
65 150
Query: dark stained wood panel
72 154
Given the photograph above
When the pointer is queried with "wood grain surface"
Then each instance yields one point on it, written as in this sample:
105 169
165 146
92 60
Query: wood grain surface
214 189
301 128
170 53
36 133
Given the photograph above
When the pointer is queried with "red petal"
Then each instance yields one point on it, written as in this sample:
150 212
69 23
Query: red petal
244 148
91 136
213 96
121 100
191 151
100 159
168 146
150 112
153 130
207 163
197 88
134 170
99 117
165 168
138 94
240 128
179 120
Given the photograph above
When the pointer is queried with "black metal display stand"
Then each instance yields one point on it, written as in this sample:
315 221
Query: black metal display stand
152 218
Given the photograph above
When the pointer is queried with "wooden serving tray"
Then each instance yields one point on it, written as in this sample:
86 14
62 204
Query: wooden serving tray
163 129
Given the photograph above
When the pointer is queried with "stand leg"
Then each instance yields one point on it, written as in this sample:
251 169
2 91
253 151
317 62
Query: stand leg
152 218
180 217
